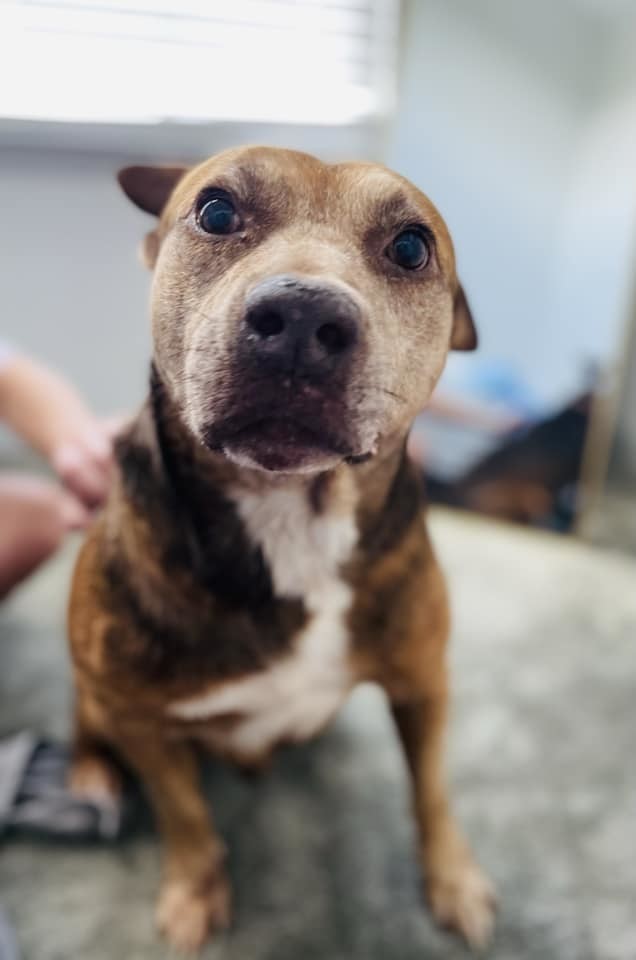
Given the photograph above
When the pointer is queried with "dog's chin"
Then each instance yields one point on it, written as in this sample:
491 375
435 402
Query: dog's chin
277 445
275 462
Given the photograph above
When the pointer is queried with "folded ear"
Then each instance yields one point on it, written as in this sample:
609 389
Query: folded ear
150 187
463 334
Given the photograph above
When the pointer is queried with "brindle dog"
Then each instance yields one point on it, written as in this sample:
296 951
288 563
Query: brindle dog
264 547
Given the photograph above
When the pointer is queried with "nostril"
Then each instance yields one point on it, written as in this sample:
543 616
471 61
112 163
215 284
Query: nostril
267 323
333 337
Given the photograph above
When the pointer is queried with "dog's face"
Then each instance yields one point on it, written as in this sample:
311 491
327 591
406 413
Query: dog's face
302 312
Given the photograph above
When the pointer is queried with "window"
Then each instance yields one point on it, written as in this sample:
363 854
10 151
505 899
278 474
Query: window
303 61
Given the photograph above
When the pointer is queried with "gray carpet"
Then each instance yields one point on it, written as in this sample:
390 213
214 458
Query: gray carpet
321 850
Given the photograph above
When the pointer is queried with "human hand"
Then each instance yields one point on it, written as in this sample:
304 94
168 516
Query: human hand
84 459
45 409
35 517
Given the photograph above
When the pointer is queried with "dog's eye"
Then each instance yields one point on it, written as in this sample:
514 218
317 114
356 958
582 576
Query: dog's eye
218 215
409 250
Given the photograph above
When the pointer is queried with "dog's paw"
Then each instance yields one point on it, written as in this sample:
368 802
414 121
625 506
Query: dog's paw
187 915
462 898
93 777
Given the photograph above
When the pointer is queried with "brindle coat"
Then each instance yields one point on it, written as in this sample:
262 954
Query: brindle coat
199 611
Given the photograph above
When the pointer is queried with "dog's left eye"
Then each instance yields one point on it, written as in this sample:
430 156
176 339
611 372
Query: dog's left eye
218 215
409 250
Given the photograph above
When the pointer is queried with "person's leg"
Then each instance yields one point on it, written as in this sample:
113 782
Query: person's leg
34 516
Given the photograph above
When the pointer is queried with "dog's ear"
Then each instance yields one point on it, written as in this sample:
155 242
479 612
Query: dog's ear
463 334
150 187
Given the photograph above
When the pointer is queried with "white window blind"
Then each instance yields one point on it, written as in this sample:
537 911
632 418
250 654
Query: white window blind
303 61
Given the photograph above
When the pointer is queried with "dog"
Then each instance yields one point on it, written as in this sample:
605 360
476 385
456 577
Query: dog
264 546
531 476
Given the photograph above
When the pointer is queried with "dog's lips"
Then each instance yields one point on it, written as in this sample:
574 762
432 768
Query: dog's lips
279 443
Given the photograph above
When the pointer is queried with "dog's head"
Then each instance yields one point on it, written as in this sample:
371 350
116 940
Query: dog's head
302 312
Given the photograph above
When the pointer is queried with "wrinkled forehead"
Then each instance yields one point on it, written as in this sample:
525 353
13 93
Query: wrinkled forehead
296 188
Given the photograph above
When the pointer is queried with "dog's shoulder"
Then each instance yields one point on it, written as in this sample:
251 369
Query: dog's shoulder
399 613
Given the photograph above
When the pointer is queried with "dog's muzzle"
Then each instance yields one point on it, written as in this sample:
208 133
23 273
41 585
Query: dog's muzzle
289 406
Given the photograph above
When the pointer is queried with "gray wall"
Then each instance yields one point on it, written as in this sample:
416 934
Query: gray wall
517 120
622 89
71 288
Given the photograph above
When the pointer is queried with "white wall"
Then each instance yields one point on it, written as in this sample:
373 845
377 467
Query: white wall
500 122
619 136
71 288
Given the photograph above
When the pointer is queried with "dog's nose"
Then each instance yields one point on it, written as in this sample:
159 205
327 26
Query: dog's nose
301 326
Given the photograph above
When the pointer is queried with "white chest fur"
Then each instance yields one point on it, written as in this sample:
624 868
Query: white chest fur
297 695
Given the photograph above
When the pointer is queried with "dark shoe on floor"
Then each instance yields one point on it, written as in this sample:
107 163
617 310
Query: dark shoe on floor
35 800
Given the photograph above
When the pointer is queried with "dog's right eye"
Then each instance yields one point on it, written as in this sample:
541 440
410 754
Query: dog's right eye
218 215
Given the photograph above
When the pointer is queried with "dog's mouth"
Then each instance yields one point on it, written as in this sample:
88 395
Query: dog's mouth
280 443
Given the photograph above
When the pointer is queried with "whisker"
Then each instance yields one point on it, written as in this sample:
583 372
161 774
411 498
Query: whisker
380 389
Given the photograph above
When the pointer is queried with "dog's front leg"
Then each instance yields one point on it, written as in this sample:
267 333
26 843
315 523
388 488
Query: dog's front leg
195 897
460 895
